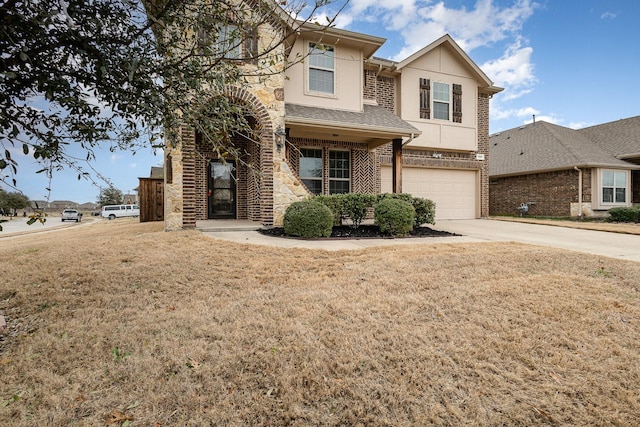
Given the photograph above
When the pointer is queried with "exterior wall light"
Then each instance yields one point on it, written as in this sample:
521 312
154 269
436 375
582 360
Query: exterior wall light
280 136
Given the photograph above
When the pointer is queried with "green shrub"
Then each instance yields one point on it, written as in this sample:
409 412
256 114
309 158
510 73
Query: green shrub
425 211
394 216
335 203
396 196
308 218
630 214
356 206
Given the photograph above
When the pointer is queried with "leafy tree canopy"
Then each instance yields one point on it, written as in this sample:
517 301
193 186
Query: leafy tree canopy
12 201
124 73
110 196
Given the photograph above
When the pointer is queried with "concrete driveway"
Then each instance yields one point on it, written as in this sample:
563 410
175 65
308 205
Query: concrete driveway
614 245
621 246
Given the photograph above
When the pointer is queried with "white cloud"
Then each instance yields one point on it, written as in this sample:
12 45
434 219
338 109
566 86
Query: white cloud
552 118
608 15
483 25
513 70
579 125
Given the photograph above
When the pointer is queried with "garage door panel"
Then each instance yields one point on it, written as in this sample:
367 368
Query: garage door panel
453 191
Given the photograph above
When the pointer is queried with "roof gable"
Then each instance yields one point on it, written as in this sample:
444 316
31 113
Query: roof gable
448 42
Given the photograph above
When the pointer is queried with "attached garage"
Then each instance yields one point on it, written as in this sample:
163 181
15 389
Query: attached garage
455 192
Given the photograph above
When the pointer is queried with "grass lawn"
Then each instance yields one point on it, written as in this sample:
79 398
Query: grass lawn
119 323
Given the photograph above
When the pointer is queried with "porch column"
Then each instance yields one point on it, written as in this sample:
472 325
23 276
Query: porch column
396 166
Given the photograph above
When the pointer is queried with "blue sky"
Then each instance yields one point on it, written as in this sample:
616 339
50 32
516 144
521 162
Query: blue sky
570 62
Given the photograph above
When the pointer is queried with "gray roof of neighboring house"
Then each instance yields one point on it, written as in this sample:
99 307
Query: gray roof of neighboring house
156 172
543 147
621 137
372 117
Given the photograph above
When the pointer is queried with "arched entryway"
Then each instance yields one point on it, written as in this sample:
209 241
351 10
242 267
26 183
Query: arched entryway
218 185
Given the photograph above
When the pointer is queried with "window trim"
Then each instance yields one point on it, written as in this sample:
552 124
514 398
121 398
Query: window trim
436 100
314 178
232 47
599 185
348 179
326 178
309 67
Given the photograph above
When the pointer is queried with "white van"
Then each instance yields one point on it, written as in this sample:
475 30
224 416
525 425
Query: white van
116 211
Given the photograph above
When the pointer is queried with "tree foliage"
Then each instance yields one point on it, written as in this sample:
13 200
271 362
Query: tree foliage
110 196
125 73
10 202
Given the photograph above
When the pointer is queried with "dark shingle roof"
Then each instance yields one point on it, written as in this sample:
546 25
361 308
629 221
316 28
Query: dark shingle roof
372 117
620 138
543 146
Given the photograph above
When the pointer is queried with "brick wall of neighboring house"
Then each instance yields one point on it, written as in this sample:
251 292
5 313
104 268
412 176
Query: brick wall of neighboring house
547 194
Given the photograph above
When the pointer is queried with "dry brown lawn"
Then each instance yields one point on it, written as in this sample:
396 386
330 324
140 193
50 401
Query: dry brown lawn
119 323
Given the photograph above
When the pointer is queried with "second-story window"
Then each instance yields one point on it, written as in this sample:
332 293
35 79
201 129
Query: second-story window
321 69
441 101
223 39
447 101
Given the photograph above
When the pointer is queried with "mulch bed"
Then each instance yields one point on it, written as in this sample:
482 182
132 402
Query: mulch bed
362 232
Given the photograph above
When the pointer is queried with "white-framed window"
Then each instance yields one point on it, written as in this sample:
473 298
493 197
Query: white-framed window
614 187
314 165
228 40
339 172
441 101
321 70
311 169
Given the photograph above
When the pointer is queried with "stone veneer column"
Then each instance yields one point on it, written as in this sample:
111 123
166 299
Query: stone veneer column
173 187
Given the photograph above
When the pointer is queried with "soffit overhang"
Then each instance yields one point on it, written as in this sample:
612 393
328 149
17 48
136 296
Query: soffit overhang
374 126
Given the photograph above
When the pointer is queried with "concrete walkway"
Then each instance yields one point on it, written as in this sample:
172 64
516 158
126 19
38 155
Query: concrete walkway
614 245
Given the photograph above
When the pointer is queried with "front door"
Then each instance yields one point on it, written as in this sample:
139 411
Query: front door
222 190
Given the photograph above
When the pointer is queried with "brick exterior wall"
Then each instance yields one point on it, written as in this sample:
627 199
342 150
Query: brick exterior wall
363 162
548 194
483 148
254 186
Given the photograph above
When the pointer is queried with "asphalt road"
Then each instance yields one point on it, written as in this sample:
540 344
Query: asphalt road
18 226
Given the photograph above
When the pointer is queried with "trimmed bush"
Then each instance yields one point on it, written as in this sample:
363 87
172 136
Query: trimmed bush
394 216
335 203
396 196
356 206
425 211
309 219
630 214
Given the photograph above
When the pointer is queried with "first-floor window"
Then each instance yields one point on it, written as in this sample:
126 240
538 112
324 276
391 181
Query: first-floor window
614 186
311 169
339 172
313 166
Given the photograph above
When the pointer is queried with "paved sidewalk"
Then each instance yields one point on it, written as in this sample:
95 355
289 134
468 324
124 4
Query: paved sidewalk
614 245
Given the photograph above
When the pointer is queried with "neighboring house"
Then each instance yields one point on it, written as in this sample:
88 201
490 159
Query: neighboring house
557 171
344 121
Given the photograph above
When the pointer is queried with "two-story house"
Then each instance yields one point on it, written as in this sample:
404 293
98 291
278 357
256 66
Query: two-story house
342 120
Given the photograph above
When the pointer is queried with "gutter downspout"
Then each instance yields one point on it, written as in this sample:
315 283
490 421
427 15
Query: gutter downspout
408 140
579 192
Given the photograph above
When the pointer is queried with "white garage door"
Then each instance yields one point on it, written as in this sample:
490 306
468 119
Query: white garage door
455 192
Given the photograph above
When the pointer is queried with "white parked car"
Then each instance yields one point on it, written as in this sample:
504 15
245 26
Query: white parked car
71 215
